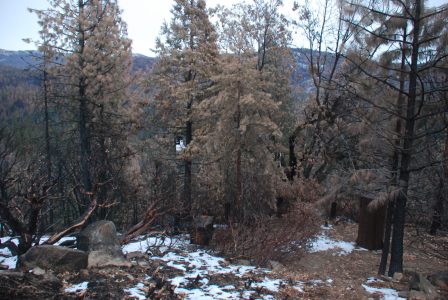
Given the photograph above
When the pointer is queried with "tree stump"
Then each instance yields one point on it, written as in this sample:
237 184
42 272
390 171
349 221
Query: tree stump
202 230
371 225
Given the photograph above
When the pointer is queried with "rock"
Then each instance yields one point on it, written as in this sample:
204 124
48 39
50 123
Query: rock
56 258
397 276
439 279
242 262
428 288
100 235
100 259
101 241
3 267
137 255
276 266
203 221
38 271
224 263
414 280
403 294
416 295
84 273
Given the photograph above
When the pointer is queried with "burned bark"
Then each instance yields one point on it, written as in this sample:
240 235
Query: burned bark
371 225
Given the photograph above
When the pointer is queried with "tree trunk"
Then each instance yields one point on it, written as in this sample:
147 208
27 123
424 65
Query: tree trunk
371 226
386 240
187 166
442 196
238 207
396 159
83 119
396 260
292 158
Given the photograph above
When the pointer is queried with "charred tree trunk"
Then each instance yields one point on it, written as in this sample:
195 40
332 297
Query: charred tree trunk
371 226
238 207
187 167
438 209
386 240
396 260
442 196
83 120
396 159
292 158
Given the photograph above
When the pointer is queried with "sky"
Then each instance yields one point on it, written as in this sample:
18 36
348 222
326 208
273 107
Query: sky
143 17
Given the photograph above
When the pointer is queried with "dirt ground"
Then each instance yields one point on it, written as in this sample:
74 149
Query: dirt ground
322 275
423 254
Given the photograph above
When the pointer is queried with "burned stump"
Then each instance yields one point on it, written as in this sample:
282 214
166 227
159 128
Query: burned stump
202 230
371 225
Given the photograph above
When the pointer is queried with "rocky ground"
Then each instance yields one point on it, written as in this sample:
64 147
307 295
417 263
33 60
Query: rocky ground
171 268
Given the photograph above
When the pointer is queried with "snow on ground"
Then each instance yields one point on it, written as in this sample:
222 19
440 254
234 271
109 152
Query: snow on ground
11 262
64 239
198 274
5 251
6 257
137 291
202 272
387 293
77 287
162 243
323 243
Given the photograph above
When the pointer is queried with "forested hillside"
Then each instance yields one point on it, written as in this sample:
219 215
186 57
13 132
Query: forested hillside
231 135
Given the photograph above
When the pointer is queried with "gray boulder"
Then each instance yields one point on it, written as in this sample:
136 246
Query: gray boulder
101 235
56 258
440 280
99 258
100 239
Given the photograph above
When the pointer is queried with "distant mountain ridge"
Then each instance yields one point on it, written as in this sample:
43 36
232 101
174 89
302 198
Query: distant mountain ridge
23 59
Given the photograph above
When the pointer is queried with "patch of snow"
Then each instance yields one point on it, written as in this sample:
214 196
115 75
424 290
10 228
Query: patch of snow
161 242
176 266
316 282
199 266
137 291
64 239
11 262
177 281
326 227
77 287
324 243
203 263
5 251
298 288
373 279
357 248
388 294
329 281
269 284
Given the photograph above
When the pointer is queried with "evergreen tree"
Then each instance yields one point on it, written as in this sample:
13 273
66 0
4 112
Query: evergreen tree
187 52
90 40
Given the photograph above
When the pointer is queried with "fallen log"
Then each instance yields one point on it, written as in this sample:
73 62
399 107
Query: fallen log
80 223
142 226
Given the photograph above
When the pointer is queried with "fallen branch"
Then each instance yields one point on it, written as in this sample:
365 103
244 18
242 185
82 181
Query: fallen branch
56 237
142 226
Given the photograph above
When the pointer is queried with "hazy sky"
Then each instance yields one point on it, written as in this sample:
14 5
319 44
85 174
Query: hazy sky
144 18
